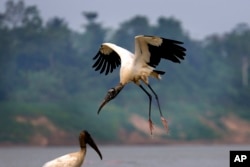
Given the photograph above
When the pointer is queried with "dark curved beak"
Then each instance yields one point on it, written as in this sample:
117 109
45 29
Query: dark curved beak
102 104
91 142
112 93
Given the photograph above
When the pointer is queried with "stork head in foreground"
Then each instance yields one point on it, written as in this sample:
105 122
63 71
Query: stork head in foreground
85 138
137 67
75 159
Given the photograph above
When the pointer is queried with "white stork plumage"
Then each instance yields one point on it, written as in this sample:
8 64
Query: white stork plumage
75 159
137 67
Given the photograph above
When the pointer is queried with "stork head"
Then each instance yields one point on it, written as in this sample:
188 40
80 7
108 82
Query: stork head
112 93
85 138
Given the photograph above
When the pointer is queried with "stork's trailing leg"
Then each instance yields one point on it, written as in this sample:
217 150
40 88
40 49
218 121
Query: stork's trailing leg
163 120
165 123
151 126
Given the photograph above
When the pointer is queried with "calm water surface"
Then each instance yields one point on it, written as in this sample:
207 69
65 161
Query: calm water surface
125 156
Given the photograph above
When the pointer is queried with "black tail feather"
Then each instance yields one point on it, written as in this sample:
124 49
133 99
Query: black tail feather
159 72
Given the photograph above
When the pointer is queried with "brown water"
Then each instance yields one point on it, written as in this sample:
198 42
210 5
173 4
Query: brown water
125 156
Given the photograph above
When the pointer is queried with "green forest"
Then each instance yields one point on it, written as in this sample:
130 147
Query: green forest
50 92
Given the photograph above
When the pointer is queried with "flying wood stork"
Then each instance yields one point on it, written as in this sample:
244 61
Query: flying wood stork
75 159
137 67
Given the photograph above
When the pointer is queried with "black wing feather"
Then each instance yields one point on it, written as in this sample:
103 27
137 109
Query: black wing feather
98 59
108 68
100 64
169 49
106 62
103 66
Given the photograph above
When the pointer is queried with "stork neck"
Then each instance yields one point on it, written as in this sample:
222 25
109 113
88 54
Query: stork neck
82 143
83 146
119 87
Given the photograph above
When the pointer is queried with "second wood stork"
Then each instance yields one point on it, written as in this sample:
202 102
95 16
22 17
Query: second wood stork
137 67
75 159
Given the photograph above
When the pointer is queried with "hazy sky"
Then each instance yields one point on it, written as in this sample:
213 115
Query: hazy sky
199 17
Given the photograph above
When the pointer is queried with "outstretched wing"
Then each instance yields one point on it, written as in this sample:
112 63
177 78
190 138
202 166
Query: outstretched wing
152 49
106 58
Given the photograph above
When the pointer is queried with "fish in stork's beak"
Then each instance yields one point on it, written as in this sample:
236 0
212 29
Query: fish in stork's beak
91 142
112 93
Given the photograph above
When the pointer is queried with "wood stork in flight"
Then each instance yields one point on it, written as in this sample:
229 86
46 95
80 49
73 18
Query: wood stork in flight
75 159
137 67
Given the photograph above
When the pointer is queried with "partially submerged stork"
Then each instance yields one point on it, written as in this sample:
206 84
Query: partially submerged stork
75 159
137 67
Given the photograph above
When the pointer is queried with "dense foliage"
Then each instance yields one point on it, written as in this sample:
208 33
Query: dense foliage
45 70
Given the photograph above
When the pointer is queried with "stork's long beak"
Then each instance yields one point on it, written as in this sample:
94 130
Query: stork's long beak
105 101
112 93
91 142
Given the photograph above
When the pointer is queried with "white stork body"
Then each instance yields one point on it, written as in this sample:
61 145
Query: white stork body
127 71
69 160
75 159
149 50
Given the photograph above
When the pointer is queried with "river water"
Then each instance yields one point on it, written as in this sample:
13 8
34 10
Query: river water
126 156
